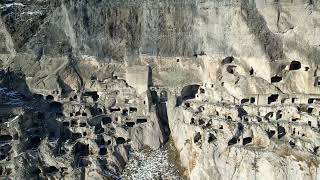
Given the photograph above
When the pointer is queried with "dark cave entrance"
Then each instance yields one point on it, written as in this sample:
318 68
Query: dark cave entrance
294 65
273 98
276 79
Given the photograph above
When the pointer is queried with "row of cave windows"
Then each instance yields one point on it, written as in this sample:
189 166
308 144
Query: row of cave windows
281 133
105 120
212 138
295 65
268 116
279 113
93 94
274 98
100 141
97 111
94 111
235 140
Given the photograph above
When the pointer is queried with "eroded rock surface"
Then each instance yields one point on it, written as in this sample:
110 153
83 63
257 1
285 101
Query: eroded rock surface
84 84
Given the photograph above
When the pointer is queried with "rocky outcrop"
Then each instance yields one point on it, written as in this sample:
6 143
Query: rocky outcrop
84 134
235 83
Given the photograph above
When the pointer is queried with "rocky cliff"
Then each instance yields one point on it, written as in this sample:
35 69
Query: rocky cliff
86 83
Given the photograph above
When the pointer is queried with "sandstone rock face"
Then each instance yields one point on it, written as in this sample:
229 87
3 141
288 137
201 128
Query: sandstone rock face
235 83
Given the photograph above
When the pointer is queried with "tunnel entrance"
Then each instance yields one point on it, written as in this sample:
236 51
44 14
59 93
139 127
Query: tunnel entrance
187 92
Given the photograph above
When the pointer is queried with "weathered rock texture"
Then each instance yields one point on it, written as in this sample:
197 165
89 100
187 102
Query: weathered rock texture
236 82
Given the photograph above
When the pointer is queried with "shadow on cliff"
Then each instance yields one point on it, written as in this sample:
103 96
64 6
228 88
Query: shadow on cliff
37 125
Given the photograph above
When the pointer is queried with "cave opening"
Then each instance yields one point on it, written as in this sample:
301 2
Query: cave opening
51 170
279 114
132 109
281 132
5 138
273 98
294 65
83 124
211 138
197 137
233 141
228 60
81 149
276 79
243 101
106 120
34 142
49 98
252 100
141 120
230 69
251 72
66 124
125 112
75 136
270 133
94 95
74 123
120 140
114 109
103 151
188 92
98 129
246 140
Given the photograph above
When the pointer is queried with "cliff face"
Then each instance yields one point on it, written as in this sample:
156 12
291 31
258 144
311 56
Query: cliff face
123 31
151 67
